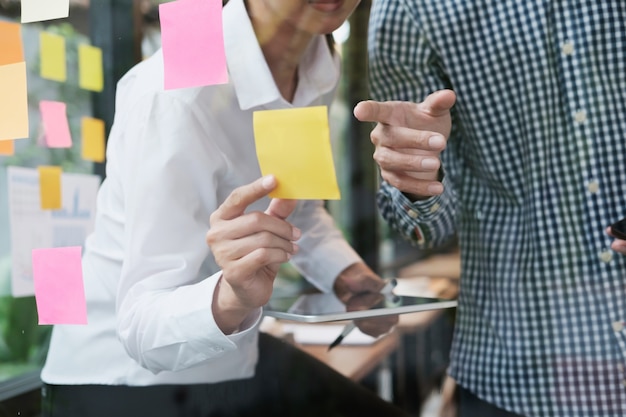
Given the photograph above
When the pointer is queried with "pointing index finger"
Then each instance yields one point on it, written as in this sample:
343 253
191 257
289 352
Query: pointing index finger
405 113
376 111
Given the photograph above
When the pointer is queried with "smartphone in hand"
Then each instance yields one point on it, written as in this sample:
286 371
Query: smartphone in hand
618 229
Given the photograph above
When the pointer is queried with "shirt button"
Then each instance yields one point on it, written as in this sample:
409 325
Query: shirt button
593 187
620 367
606 256
580 116
567 48
413 214
435 207
618 326
624 382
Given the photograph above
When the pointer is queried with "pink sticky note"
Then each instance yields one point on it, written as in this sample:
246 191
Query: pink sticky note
59 290
193 43
56 128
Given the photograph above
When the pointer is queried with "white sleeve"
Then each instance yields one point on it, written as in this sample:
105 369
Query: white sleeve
168 276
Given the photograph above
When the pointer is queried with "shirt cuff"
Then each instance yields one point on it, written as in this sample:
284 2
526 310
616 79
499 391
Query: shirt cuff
424 210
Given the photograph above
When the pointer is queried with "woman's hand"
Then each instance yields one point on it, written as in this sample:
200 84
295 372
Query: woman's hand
358 287
249 247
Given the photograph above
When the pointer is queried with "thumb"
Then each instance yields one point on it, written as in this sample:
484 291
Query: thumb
438 103
281 208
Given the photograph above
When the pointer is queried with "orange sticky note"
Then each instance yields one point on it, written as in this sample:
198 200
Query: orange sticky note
90 75
294 145
50 187
13 101
11 48
52 57
55 125
7 147
92 139
59 287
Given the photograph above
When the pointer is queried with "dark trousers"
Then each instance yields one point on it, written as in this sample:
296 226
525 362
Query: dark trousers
472 406
288 382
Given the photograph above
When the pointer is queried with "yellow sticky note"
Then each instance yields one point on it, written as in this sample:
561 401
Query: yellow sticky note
11 49
294 145
52 57
92 139
90 75
7 147
13 101
50 187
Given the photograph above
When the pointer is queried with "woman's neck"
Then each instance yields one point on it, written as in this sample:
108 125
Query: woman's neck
282 45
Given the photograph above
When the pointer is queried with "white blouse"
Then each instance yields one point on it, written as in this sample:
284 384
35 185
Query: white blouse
173 157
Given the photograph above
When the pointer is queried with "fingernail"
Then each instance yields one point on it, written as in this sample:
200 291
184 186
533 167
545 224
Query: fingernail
268 181
430 163
296 233
435 188
436 141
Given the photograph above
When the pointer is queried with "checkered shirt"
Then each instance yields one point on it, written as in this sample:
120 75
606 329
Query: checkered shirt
535 170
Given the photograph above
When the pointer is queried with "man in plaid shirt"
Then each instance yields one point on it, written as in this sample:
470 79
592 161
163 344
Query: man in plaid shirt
532 117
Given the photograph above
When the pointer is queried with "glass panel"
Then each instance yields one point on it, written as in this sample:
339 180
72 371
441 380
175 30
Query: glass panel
23 342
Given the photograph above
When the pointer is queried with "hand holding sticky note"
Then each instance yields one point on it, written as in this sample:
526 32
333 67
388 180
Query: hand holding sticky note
294 145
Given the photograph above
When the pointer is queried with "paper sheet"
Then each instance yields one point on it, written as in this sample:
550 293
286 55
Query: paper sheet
93 139
7 147
50 187
59 289
90 72
11 47
294 145
55 124
33 228
13 102
40 10
52 57
193 43
325 334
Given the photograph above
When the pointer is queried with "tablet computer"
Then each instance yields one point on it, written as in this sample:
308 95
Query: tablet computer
325 307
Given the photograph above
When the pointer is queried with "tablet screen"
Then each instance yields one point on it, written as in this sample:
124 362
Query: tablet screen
322 307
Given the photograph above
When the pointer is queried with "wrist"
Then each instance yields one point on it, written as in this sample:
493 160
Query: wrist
228 312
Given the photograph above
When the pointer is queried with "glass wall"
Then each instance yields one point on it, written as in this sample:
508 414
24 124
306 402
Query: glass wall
22 341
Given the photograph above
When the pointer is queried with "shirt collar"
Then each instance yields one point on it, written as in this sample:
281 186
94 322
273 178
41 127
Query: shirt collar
250 75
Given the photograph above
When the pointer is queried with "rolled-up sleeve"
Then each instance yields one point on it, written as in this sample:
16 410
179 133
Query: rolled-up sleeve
426 223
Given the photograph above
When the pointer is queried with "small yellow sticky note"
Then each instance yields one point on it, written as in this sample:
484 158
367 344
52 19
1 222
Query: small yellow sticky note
11 48
90 76
50 187
294 145
52 57
92 139
7 147
13 101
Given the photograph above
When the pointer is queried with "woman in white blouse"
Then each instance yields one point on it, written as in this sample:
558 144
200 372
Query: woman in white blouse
187 244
